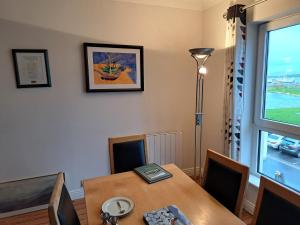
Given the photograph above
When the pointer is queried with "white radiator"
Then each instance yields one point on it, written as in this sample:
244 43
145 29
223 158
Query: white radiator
165 147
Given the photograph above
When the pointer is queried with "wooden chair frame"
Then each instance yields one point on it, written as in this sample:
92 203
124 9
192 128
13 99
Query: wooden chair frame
229 163
114 140
55 198
276 188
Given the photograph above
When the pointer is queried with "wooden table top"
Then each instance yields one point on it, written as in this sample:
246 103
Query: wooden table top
198 206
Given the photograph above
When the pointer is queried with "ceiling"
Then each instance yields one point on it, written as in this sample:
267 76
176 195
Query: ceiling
199 5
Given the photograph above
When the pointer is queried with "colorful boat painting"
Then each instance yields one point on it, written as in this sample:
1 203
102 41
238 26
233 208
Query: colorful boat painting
113 67
111 70
109 66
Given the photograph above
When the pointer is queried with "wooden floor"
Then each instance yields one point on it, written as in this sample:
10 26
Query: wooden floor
41 217
246 217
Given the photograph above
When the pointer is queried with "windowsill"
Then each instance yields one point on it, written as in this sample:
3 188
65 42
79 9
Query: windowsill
254 180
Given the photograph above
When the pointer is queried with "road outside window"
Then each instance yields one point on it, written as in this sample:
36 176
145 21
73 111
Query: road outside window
279 159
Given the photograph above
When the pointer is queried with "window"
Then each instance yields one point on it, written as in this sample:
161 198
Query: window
277 103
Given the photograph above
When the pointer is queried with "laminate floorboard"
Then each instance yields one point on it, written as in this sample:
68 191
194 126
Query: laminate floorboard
41 217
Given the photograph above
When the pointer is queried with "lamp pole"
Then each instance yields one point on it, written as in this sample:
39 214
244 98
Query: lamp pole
200 55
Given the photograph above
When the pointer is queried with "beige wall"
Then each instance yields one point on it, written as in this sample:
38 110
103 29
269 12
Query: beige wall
213 36
45 130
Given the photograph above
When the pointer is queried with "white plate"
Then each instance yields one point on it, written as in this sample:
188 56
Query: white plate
111 206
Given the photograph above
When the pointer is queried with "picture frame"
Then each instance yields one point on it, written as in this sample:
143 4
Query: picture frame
113 68
31 68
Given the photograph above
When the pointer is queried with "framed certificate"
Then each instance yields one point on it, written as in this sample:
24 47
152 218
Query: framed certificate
31 68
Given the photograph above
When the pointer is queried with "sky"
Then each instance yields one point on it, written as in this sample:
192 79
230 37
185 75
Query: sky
284 51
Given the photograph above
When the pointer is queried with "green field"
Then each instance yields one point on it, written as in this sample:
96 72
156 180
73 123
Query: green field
285 90
285 115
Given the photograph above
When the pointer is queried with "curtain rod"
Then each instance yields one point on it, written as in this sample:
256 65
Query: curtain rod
246 7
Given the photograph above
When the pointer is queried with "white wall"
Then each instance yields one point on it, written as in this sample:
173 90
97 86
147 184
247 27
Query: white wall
44 130
272 9
214 36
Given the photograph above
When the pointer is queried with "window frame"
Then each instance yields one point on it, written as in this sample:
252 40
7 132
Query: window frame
260 123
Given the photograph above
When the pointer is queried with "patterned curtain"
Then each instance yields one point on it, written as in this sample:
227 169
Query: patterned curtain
234 79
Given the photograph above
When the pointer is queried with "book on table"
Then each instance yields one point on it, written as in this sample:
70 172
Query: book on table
170 215
152 173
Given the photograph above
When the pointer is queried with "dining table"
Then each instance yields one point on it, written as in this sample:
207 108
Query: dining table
180 190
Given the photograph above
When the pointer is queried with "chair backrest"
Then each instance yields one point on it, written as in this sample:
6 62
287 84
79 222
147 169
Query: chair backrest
127 153
61 210
226 180
276 205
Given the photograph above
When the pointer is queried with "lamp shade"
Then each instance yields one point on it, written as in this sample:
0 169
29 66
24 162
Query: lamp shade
201 53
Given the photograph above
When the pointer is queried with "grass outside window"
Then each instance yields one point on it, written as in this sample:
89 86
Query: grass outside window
285 90
285 115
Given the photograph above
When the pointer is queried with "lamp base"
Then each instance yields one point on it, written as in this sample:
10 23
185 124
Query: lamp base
198 179
197 176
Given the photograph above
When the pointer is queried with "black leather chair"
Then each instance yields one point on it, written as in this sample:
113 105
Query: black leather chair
127 153
61 210
226 180
276 205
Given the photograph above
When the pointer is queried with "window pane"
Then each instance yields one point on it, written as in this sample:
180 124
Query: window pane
282 93
279 159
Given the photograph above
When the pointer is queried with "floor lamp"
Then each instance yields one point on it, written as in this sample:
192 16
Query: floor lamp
200 55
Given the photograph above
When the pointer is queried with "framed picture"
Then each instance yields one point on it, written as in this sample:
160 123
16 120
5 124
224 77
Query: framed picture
31 68
113 67
26 195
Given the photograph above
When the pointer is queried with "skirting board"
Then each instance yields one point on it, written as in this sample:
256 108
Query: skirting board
249 206
77 193
190 171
